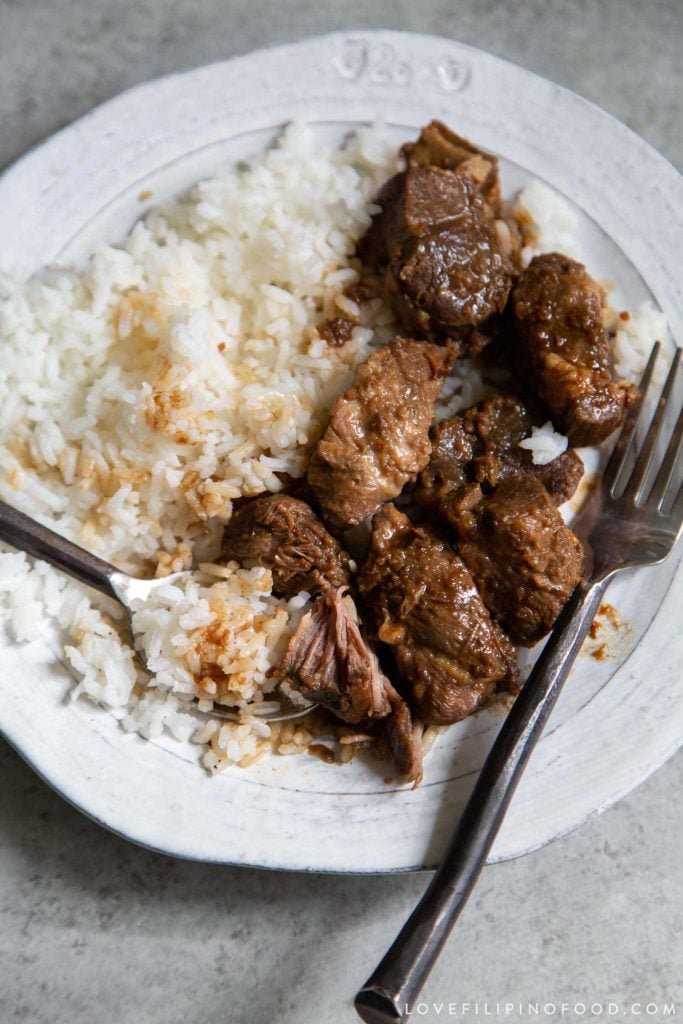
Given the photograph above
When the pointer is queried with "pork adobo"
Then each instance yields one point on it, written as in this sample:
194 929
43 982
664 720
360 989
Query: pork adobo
421 600
329 662
562 343
523 559
283 534
482 445
436 241
378 433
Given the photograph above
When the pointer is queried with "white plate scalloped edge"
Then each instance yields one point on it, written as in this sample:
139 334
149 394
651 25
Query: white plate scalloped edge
617 721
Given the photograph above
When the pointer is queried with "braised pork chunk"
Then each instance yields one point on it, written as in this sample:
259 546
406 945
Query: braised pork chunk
284 535
563 345
421 600
438 146
482 445
437 244
328 661
378 433
523 559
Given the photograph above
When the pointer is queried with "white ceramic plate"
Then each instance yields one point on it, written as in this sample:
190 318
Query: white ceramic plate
618 719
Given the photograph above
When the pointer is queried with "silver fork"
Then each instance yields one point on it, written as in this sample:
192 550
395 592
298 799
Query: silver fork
628 523
25 534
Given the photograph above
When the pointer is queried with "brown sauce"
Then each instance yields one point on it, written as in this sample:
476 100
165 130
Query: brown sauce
612 629
336 332
322 752
612 616
358 293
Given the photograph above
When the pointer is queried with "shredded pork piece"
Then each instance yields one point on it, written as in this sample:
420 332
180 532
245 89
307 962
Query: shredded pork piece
329 662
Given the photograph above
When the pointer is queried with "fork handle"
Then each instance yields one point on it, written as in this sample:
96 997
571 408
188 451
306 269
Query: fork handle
25 534
388 993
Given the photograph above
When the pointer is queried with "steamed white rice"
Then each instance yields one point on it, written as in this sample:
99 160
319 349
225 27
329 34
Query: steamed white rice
140 397
545 444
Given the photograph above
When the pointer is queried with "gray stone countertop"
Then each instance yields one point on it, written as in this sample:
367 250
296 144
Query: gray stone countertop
96 931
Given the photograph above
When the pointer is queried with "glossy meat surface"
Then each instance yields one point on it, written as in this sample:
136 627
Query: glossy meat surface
438 146
422 601
563 345
377 438
524 560
283 534
482 445
436 242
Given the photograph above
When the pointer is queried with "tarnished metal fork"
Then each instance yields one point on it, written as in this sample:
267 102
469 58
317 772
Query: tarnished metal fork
628 523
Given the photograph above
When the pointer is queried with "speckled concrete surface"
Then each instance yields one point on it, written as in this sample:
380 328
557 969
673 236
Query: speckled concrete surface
95 931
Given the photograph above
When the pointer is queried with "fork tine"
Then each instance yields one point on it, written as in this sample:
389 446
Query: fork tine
617 458
660 487
676 513
635 487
